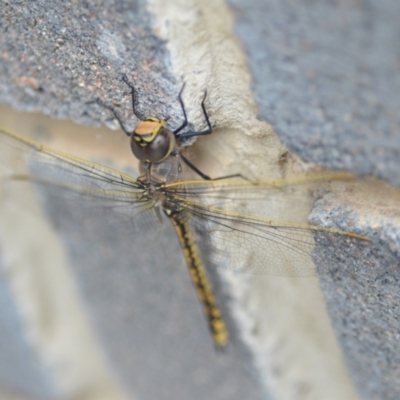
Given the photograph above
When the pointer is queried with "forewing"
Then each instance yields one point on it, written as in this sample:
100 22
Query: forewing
257 227
72 179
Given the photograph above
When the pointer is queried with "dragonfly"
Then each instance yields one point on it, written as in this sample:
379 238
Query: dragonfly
232 217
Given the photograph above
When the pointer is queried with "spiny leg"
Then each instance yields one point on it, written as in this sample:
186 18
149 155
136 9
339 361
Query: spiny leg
137 114
193 133
116 116
190 134
207 177
185 122
194 168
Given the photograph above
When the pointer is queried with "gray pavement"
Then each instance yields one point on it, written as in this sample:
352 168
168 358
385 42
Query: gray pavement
326 77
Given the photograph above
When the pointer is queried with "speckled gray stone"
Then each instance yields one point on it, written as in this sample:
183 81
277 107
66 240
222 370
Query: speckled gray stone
360 281
326 75
56 57
21 370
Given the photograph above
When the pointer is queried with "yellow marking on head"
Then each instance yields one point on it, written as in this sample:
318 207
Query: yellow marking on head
148 129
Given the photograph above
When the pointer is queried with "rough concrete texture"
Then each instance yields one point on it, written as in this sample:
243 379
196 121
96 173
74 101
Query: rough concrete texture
326 75
132 327
56 57
361 282
20 369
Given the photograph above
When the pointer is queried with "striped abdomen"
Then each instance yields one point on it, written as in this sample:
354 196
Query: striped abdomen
199 277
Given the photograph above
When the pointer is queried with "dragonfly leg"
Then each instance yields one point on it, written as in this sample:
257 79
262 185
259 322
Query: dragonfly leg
137 114
116 116
190 134
206 177
185 122
194 168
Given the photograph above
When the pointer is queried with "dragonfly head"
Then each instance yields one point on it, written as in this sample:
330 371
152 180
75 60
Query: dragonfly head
152 141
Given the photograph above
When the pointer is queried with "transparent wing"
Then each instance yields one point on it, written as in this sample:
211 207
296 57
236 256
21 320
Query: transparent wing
258 227
19 152
73 179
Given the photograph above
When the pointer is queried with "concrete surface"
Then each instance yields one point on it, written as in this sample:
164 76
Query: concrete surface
143 328
20 369
360 283
326 75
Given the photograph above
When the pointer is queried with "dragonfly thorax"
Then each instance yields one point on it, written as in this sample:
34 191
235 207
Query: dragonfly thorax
152 141
161 173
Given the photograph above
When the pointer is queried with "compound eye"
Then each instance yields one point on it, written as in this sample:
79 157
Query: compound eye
156 150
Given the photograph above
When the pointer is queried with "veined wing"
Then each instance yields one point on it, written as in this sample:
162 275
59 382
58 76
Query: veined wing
64 175
258 227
